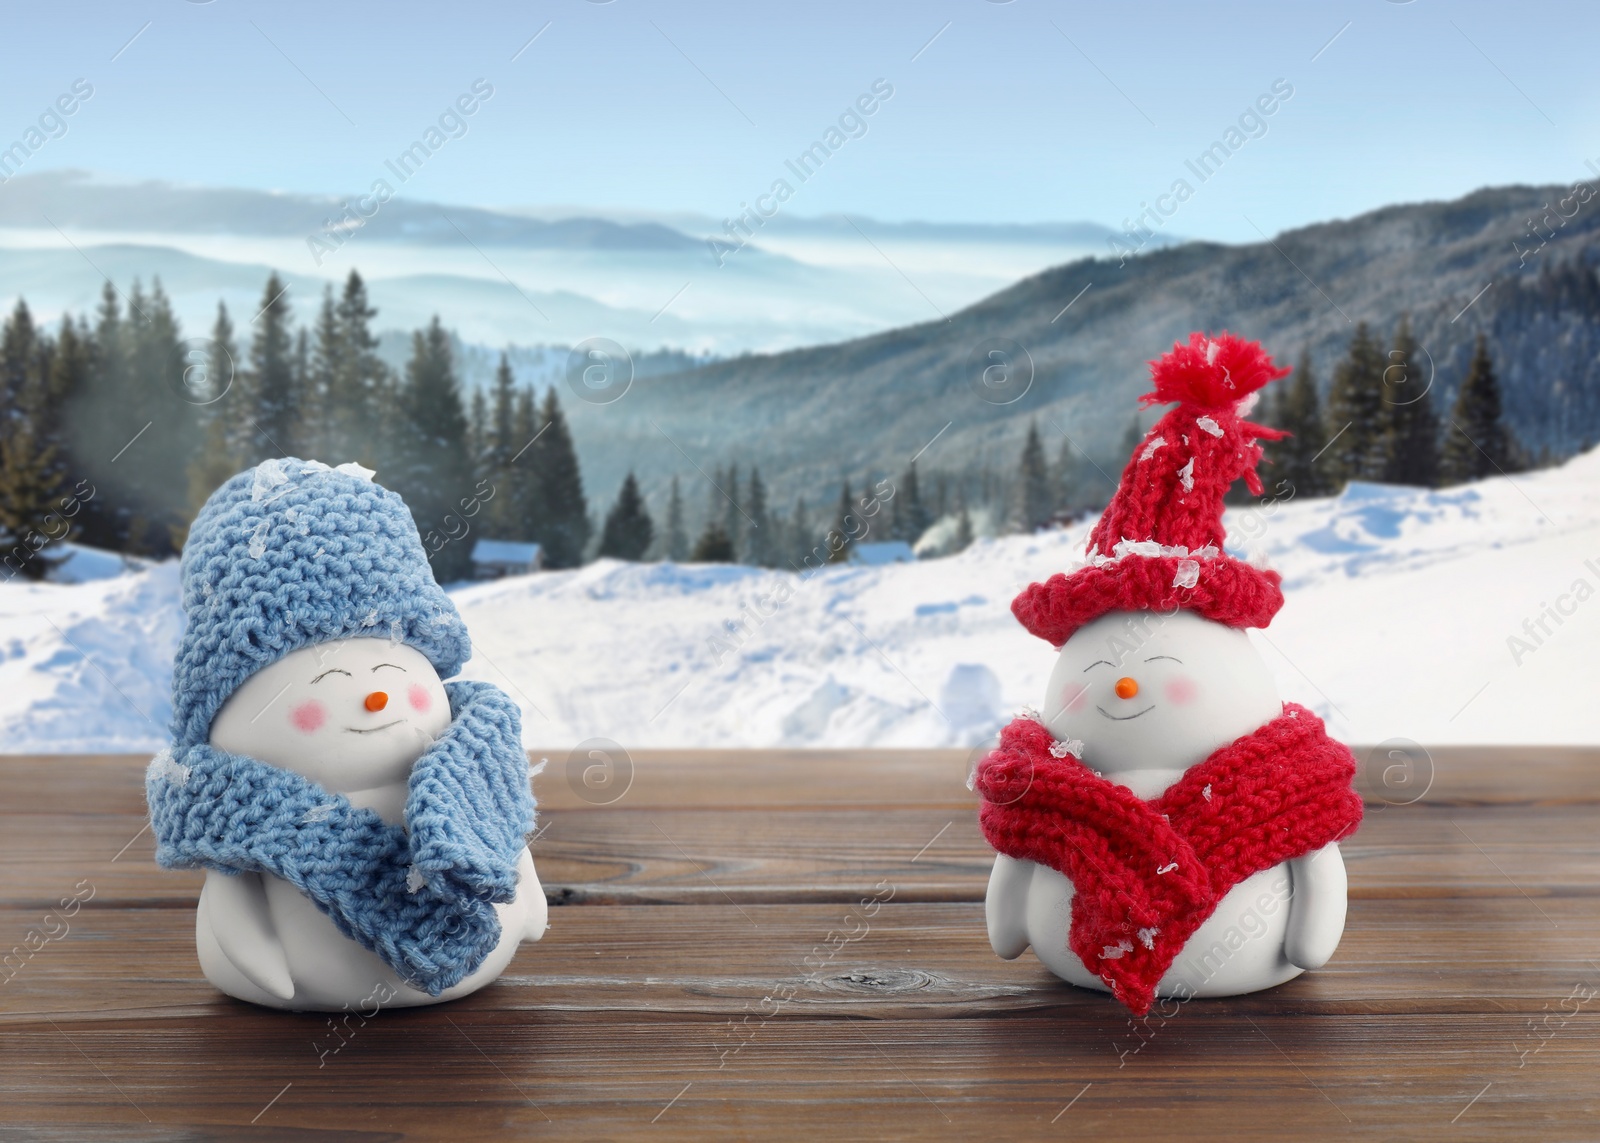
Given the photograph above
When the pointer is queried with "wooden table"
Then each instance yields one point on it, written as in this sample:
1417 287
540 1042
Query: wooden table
711 972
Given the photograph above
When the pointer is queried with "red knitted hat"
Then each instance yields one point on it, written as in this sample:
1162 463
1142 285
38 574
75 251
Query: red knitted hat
1158 545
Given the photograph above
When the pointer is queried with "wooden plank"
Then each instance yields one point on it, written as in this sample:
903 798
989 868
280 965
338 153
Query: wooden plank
465 1073
703 779
1501 955
612 854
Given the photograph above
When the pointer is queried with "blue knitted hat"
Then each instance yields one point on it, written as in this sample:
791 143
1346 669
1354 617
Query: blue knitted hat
293 553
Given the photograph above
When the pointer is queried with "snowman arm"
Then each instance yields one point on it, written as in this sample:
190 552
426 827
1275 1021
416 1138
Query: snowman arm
1316 907
1005 905
528 887
242 923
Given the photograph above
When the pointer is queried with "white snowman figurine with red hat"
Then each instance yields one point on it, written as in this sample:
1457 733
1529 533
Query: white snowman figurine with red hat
1167 826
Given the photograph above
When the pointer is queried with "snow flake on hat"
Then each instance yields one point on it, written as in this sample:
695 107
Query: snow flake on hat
167 768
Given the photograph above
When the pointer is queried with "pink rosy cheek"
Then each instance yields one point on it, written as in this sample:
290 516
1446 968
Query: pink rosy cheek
308 716
1181 690
1074 696
421 701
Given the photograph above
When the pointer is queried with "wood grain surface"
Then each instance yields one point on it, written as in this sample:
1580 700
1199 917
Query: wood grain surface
711 972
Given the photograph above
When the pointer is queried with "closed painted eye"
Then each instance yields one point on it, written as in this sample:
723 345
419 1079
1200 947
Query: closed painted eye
1100 663
331 671
1169 658
396 666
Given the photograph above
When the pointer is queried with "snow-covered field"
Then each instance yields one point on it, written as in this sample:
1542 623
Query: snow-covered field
1402 605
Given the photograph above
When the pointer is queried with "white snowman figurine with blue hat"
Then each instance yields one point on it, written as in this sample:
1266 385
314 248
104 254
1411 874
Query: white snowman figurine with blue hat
361 822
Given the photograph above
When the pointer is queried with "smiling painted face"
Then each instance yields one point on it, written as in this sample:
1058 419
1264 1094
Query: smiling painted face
1144 691
351 714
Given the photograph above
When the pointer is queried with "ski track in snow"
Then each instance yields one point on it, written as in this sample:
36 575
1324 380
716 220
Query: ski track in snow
1400 606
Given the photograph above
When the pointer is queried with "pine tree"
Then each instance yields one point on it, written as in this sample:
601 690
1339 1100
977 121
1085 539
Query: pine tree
1069 479
1358 420
1298 411
1413 428
909 517
565 523
433 473
153 470
29 482
71 376
758 550
733 519
713 546
1035 496
842 535
522 516
478 432
360 409
317 432
498 447
800 535
677 541
1477 443
221 439
272 376
628 531
95 425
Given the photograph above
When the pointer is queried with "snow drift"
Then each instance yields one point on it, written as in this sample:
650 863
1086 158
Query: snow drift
1469 614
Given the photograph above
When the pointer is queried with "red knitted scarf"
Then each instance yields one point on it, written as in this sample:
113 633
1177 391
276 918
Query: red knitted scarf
1148 874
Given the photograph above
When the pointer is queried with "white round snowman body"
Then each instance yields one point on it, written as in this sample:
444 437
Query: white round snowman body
1150 695
353 716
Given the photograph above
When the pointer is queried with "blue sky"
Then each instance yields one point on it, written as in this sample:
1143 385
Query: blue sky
1014 112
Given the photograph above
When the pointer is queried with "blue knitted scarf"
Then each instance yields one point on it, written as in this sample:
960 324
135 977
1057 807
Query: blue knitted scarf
420 897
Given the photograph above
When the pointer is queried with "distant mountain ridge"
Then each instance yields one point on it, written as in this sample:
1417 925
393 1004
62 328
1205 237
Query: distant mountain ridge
810 417
78 199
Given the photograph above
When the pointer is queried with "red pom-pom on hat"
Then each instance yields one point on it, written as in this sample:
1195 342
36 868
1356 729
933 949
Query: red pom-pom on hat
1213 372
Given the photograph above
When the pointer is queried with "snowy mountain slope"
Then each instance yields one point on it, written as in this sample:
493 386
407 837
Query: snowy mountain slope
1401 603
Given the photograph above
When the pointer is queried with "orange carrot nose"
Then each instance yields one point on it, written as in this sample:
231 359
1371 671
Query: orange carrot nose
1126 688
377 700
